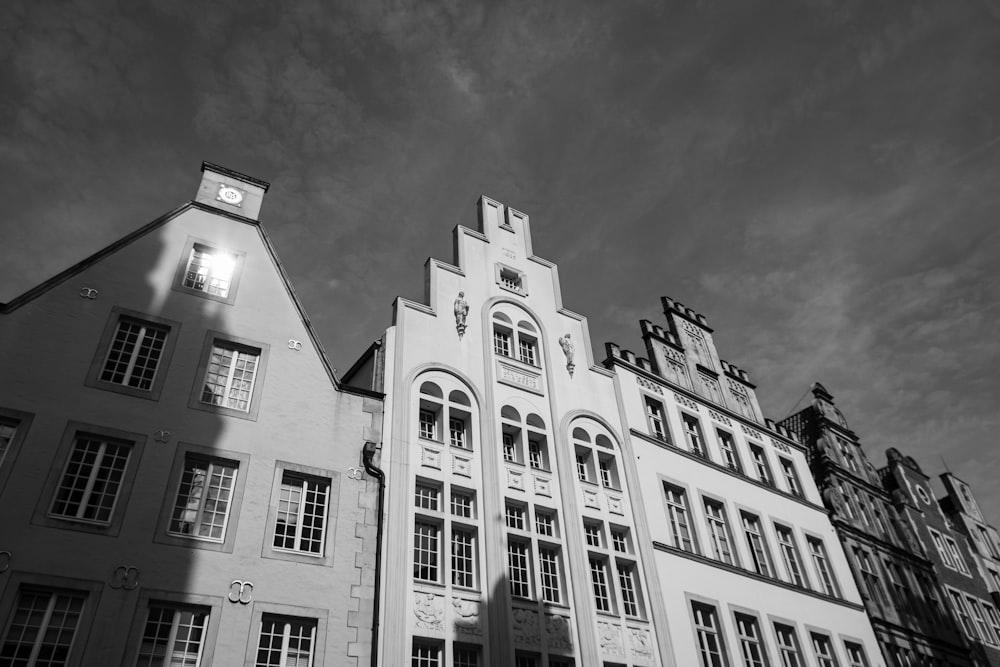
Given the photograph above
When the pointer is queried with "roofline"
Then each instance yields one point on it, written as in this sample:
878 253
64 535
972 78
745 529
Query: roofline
235 174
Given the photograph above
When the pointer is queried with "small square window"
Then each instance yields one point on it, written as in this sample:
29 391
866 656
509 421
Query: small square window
463 503
514 516
426 496
592 531
428 425
133 354
209 271
232 376
512 280
620 540
545 523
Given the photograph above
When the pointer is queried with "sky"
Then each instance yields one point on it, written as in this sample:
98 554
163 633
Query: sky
818 177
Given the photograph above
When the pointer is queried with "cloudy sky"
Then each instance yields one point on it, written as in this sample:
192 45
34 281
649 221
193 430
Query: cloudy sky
818 177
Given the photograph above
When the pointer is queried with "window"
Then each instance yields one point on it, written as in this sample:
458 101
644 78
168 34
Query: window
758 547
855 655
657 420
509 448
719 537
956 555
751 644
583 465
897 588
514 515
790 555
133 354
463 557
522 660
942 549
818 553
42 628
501 342
958 604
527 350
548 566
544 523
232 372
609 471
518 568
728 447
599 580
91 481
535 454
426 496
985 631
463 504
791 477
619 540
788 646
286 641
173 635
677 516
428 425
706 627
760 463
847 454
456 432
521 339
209 270
425 654
629 588
592 531
692 433
870 577
823 650
465 656
302 511
510 279
425 551
993 617
204 498
9 438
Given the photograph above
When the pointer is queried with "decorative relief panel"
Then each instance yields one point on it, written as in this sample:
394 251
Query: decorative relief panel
461 465
742 398
515 377
673 355
430 457
640 644
466 616
686 402
543 486
751 432
676 368
610 637
722 419
429 610
615 505
558 633
710 389
525 627
515 479
782 446
590 499
646 384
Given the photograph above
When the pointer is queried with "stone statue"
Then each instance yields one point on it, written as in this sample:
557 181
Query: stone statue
569 350
461 313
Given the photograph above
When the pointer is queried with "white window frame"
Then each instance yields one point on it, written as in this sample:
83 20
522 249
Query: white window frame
821 562
235 260
708 634
679 518
751 640
549 567
306 486
519 567
302 624
69 481
753 531
790 555
199 496
169 652
601 584
218 344
720 536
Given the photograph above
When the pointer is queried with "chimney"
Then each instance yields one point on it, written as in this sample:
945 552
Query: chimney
230 191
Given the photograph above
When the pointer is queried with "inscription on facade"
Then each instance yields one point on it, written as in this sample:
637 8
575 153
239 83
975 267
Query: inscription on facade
518 378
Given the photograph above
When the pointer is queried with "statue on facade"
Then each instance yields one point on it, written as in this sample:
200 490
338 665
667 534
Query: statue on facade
566 343
461 313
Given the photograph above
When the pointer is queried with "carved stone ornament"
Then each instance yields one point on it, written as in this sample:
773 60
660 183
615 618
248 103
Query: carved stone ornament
355 472
610 637
88 293
639 642
162 436
5 558
461 465
569 349
241 591
461 314
722 419
429 610
124 577
753 433
526 626
557 632
294 344
686 402
430 458
466 616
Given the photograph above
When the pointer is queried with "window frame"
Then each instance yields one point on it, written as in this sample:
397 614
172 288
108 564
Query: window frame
821 564
525 583
21 422
791 475
698 608
715 523
147 597
762 466
676 511
42 515
631 596
330 529
231 342
795 647
656 416
599 564
521 279
791 557
182 264
765 556
694 436
728 447
746 618
97 364
317 615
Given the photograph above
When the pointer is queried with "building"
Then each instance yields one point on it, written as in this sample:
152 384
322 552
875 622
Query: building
928 607
961 508
182 477
511 537
747 568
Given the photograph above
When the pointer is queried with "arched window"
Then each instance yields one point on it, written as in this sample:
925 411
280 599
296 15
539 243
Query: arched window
520 438
518 341
445 421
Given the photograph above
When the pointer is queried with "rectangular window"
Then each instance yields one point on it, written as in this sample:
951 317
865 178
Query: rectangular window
425 654
897 587
751 643
592 532
510 280
463 557
8 428
548 566
509 450
870 577
514 516
692 433
855 655
501 342
788 646
956 555
985 631
609 472
583 466
88 490
462 504
818 553
204 499
677 516
302 510
728 447
209 270
428 425
134 353
706 627
790 555
173 635
456 432
426 497
544 523
847 455
657 420
230 376
286 641
42 628
599 580
942 549
760 463
425 551
718 532
518 568
758 546
791 477
465 656
619 540
958 604
630 589
823 650
525 660
526 349
993 617
536 458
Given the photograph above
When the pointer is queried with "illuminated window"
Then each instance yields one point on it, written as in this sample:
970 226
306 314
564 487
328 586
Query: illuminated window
204 499
209 270
286 641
